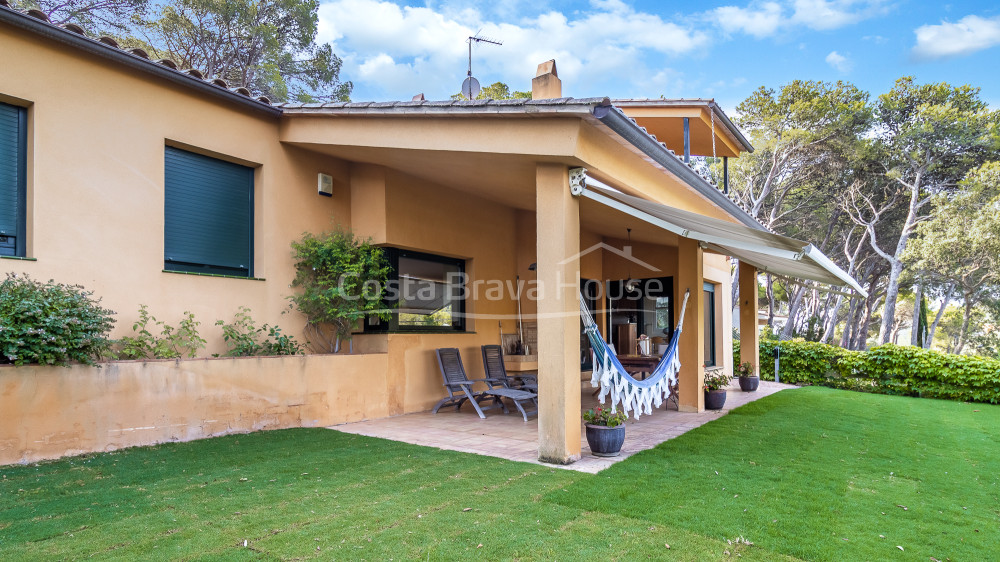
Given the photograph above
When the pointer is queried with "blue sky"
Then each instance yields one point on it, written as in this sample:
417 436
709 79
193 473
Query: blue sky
645 49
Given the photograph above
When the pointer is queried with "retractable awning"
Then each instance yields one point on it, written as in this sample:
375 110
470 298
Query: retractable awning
768 252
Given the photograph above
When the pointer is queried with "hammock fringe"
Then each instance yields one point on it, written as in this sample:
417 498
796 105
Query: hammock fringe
635 396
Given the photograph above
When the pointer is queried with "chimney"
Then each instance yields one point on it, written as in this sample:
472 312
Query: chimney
546 83
419 97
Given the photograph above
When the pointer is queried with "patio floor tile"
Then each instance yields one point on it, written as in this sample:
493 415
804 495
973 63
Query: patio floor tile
510 437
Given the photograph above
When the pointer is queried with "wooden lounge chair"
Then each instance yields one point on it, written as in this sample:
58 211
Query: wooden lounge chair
459 387
495 369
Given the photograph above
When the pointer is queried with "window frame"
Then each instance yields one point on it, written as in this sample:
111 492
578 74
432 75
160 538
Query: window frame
21 184
711 360
373 324
180 266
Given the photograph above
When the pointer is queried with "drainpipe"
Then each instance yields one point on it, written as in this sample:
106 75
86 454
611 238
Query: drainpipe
725 174
687 140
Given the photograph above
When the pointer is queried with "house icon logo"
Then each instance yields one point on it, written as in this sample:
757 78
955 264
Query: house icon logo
625 252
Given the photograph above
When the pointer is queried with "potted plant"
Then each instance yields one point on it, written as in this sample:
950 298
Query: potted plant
715 389
605 431
748 377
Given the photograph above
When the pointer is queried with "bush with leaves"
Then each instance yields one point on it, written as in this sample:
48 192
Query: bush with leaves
341 280
51 323
885 369
245 339
171 343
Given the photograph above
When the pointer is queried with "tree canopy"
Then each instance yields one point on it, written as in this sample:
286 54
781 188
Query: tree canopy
266 46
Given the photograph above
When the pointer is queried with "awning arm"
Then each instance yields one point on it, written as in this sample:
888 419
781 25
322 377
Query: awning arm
680 231
732 245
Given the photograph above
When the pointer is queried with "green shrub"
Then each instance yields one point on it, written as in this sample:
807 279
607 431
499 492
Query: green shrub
341 280
885 369
171 343
244 338
51 323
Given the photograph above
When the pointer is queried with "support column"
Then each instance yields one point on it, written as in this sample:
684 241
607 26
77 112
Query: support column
691 276
749 334
558 246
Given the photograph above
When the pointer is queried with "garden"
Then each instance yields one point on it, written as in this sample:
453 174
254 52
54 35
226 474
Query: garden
811 473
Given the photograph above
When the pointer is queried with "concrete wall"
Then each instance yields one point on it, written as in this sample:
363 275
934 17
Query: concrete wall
49 412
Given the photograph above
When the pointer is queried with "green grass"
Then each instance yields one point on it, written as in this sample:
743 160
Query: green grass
823 474
798 472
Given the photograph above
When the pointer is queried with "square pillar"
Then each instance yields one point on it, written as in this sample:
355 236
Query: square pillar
558 246
691 349
749 333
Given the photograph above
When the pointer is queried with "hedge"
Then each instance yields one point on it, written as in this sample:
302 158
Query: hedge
885 369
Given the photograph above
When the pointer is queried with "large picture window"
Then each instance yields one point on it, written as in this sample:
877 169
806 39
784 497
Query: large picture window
208 215
13 180
425 293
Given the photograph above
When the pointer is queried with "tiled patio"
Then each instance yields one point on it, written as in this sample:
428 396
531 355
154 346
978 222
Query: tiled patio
510 437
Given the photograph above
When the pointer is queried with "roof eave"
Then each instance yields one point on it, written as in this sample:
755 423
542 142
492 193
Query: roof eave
618 122
710 104
50 31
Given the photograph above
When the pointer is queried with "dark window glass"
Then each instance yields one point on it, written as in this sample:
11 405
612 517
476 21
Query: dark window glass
710 325
13 180
425 293
208 215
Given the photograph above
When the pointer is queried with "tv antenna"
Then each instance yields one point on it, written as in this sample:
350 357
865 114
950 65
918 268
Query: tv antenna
470 87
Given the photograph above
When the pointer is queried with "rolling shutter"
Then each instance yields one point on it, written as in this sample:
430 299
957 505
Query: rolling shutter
13 138
208 215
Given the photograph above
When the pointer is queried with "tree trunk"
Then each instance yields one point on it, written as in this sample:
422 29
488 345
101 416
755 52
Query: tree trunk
937 319
891 294
769 282
851 323
793 311
896 260
918 293
965 325
831 323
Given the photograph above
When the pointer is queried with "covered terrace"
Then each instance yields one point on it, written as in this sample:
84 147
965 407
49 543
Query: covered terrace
574 187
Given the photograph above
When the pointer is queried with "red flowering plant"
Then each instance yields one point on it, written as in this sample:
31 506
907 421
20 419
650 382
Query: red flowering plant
716 380
604 416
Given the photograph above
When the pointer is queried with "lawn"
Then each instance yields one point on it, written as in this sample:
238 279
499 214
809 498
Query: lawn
812 473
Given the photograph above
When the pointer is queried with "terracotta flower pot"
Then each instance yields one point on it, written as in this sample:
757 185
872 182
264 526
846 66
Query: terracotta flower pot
605 441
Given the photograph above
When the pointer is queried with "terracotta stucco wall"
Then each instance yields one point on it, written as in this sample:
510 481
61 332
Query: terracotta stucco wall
97 134
50 412
422 216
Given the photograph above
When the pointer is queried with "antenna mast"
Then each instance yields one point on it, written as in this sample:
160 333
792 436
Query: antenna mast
470 87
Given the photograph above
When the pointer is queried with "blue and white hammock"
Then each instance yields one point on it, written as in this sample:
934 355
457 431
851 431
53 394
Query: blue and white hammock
636 396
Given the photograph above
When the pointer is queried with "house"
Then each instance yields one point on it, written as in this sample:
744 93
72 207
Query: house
154 185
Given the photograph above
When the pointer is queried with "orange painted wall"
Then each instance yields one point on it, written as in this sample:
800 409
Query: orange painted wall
50 412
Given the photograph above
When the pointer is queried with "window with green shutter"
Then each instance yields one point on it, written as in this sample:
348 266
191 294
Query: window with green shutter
208 215
13 183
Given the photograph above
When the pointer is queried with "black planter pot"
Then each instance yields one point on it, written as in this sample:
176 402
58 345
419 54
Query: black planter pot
715 399
749 384
605 441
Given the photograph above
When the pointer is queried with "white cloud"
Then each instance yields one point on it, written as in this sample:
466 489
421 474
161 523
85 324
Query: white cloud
968 35
756 21
396 51
824 14
839 62
766 19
